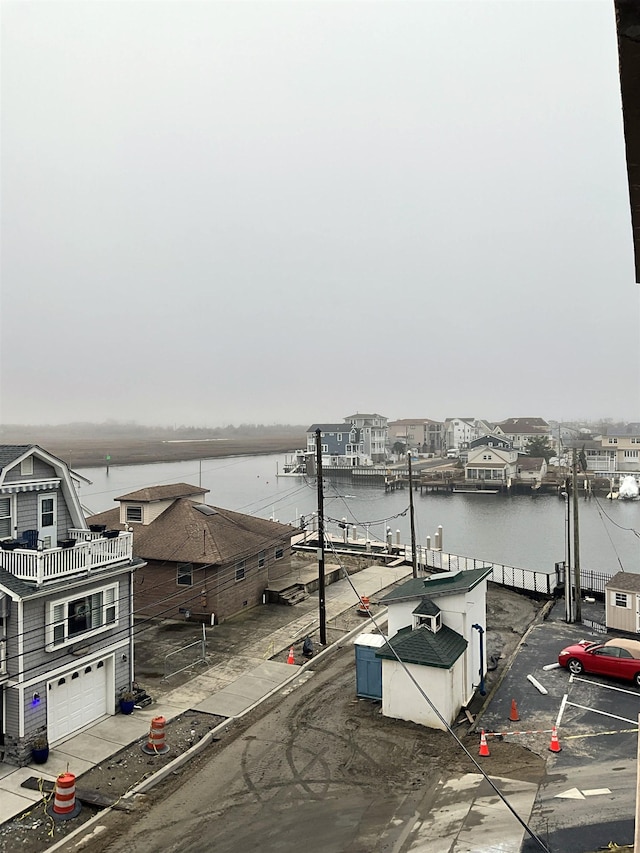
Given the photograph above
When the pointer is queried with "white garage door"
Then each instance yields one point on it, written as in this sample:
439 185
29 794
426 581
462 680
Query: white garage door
76 699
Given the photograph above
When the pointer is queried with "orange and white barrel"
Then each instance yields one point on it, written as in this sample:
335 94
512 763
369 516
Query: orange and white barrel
65 805
155 744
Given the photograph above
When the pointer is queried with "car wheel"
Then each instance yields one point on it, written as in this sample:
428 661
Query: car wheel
574 666
636 679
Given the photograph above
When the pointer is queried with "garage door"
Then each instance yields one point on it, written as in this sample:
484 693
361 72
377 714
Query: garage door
76 699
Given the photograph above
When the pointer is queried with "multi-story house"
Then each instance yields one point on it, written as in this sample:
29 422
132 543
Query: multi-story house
341 445
624 444
200 562
374 434
66 638
491 464
422 433
460 432
520 431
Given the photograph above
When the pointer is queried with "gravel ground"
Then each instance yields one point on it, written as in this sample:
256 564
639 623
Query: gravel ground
35 831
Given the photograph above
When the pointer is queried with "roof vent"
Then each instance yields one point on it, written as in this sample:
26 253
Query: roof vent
205 510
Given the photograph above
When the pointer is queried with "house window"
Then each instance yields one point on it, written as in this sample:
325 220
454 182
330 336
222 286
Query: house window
325 448
339 436
81 615
46 509
5 517
635 441
620 599
279 553
631 454
134 513
26 467
240 567
613 441
262 558
184 574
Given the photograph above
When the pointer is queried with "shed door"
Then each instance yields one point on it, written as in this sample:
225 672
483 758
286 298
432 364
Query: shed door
76 699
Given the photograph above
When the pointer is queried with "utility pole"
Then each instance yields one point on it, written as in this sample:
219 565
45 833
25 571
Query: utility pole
414 555
576 538
322 614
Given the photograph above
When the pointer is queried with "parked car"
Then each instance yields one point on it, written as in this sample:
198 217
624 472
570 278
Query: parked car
616 658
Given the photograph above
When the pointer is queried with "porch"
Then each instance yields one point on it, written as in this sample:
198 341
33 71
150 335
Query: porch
89 551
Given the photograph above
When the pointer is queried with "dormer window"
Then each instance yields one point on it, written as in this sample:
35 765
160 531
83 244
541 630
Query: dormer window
431 623
134 513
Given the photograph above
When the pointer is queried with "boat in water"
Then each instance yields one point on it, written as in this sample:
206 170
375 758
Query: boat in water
295 465
629 490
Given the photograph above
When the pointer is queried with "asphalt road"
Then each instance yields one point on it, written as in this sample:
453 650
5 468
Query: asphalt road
588 796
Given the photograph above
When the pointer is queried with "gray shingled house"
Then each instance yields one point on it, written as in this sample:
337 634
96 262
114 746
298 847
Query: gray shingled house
202 562
66 645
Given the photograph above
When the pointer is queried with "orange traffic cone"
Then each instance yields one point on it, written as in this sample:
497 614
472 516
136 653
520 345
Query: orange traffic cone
291 658
484 746
554 746
513 716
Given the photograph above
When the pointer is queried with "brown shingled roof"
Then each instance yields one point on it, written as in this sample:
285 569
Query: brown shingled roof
184 534
162 493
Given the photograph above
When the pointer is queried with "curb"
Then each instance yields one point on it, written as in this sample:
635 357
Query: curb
149 783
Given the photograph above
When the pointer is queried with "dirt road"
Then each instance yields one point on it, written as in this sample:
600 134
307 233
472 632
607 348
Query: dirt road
314 769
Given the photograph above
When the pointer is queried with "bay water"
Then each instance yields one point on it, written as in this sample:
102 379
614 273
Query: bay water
524 531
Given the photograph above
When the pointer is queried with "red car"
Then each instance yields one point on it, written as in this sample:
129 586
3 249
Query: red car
615 658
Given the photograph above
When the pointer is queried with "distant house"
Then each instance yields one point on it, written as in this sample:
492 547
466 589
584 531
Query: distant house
624 444
460 432
341 445
359 440
520 431
490 464
203 562
622 602
433 628
421 433
66 642
490 440
531 469
374 434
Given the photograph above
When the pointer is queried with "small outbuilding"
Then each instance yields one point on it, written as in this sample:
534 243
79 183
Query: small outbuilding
622 602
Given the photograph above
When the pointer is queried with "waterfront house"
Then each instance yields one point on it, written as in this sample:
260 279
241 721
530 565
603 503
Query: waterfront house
520 431
374 434
490 440
66 644
623 448
458 433
422 434
490 465
202 562
436 625
622 602
341 445
531 469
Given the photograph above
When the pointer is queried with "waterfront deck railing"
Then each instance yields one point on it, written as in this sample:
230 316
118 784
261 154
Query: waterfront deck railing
56 563
530 580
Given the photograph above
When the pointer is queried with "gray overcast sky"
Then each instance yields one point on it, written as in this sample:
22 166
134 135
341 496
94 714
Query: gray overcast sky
215 212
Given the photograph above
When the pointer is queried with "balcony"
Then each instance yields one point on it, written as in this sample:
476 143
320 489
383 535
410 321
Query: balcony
90 552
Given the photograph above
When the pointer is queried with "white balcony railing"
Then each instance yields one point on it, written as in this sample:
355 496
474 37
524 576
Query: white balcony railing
56 563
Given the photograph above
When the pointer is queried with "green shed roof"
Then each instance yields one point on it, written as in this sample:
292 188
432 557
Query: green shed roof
438 584
421 646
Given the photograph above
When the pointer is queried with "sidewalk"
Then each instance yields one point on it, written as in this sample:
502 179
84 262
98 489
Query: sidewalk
228 688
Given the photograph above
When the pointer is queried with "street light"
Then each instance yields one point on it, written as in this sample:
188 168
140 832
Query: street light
568 575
